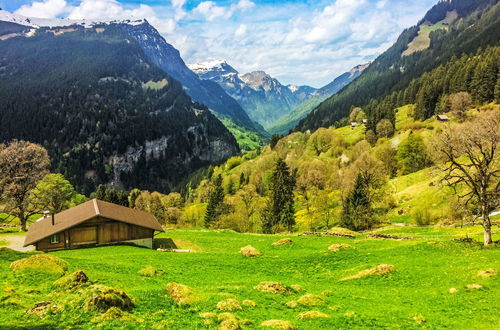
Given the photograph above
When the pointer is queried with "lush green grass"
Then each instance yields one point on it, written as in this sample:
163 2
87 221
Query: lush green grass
425 271
247 140
422 40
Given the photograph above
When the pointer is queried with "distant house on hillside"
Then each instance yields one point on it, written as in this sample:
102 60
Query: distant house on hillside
354 124
93 223
364 121
442 118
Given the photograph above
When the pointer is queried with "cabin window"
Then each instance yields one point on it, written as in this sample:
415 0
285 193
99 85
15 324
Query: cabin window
54 239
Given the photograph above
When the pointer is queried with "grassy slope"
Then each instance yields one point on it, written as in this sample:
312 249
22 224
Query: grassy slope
247 140
426 270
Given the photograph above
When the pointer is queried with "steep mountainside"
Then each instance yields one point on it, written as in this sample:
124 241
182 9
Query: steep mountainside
104 111
450 29
289 121
264 98
166 57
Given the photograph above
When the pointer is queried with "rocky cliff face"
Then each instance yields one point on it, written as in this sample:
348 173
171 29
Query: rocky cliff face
263 97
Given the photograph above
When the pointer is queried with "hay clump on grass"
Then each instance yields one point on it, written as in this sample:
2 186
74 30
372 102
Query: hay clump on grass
228 321
419 319
283 241
382 269
292 304
487 273
296 287
229 305
474 286
104 297
249 303
208 318
72 280
271 287
115 313
338 247
279 324
41 262
150 271
312 315
180 293
249 251
311 300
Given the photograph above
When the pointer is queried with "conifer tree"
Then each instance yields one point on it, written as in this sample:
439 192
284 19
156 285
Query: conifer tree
279 211
215 202
357 212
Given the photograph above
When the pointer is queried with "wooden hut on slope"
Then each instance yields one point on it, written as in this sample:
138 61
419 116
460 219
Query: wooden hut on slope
93 223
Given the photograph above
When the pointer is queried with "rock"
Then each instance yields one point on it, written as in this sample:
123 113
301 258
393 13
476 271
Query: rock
271 287
279 324
311 300
249 251
312 315
382 269
338 247
180 293
283 241
229 305
45 263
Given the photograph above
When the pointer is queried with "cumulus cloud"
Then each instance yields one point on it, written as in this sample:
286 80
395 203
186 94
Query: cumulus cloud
211 11
44 9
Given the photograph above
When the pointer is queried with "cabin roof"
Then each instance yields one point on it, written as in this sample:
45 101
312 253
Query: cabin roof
43 228
442 117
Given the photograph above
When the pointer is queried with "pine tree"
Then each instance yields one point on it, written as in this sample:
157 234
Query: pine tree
215 202
357 212
279 211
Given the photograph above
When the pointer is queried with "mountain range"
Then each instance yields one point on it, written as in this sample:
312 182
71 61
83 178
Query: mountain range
273 105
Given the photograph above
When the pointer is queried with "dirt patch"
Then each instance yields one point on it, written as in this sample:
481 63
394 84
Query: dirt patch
272 287
45 263
382 269
312 315
43 307
72 280
338 247
279 324
311 300
283 241
249 251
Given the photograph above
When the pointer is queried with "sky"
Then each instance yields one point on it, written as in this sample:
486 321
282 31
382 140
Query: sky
300 42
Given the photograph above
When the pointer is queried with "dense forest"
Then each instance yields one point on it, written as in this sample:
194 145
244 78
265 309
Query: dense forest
90 96
476 27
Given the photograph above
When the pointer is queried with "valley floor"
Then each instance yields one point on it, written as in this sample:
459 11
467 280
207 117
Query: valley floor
416 294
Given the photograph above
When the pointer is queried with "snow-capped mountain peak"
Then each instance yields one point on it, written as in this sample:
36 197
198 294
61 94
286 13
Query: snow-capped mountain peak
221 67
53 22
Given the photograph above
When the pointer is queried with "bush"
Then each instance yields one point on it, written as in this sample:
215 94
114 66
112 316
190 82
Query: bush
422 217
412 154
104 297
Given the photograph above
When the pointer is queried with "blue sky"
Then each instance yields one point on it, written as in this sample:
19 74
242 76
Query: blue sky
298 41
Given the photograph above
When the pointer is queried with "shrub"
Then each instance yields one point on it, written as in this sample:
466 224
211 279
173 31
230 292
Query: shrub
412 154
180 293
229 305
422 217
104 297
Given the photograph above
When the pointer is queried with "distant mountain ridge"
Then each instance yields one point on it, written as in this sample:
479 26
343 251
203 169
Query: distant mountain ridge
163 55
105 112
450 29
263 97
289 121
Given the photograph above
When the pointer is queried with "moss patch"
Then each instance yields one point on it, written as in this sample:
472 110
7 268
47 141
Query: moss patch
45 263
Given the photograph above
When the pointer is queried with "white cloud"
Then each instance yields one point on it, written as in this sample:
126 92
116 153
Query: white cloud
211 11
44 9
241 31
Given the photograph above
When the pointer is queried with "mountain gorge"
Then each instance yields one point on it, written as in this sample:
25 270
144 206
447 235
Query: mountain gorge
263 97
105 112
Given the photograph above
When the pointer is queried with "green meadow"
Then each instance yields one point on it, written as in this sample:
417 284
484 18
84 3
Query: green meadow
415 294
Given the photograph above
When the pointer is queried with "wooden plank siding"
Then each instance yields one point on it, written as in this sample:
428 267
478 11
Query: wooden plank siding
95 232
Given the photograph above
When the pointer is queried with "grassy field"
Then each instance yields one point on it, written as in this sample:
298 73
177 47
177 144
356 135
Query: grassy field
415 295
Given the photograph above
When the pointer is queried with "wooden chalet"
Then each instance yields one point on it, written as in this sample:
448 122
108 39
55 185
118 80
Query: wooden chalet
442 118
93 223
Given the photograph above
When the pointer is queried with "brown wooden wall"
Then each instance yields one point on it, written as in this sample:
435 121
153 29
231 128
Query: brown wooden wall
96 231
